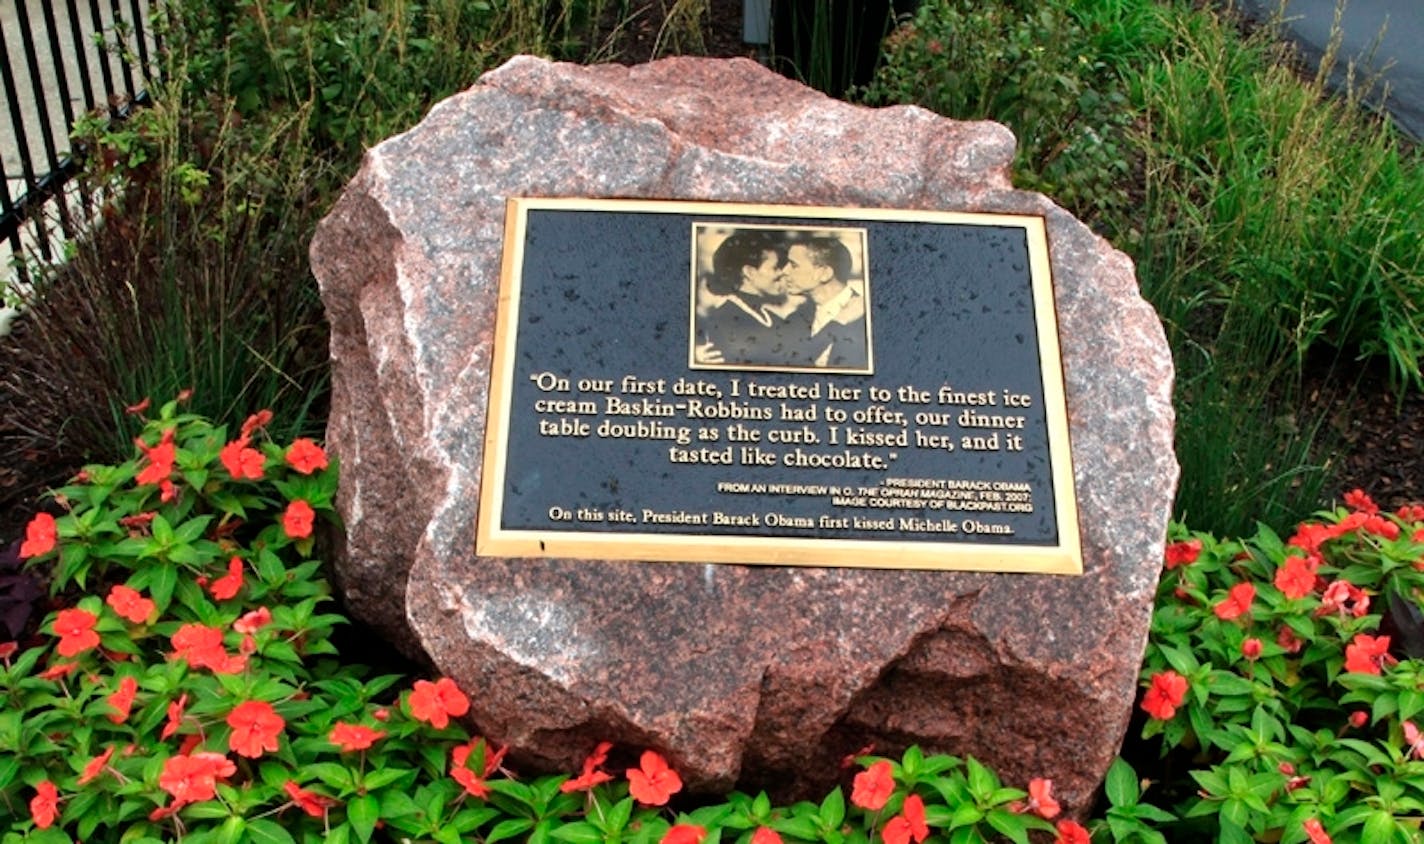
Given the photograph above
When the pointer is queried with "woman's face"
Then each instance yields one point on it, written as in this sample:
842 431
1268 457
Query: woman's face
764 279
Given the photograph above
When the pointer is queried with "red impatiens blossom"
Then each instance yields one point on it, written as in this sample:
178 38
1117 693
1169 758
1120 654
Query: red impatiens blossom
44 806
122 700
1309 536
353 737
175 717
297 520
160 459
255 727
1344 598
253 621
312 803
766 835
1368 654
1358 499
590 776
58 670
473 782
75 629
1040 799
871 788
1251 649
1071 832
41 534
653 782
202 647
434 703
7 650
1316 832
1183 553
94 767
1286 638
1414 739
193 778
1296 578
1380 526
684 833
130 604
255 422
306 456
1411 513
1359 718
1236 603
909 825
1168 691
241 461
227 586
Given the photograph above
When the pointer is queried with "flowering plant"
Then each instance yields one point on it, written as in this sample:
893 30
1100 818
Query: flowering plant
1285 675
183 689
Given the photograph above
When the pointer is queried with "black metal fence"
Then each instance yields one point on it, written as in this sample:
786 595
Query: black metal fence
61 59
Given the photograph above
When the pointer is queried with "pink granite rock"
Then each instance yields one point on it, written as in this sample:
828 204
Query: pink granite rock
760 675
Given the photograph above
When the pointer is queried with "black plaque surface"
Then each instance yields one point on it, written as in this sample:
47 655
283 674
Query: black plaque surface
917 422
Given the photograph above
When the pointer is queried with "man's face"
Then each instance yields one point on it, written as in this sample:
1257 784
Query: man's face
801 273
764 279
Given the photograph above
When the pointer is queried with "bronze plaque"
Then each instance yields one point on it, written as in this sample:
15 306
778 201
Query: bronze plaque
708 382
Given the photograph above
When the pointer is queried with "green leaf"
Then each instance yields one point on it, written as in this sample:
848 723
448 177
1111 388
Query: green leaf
1122 785
508 829
1011 825
832 809
265 831
579 832
363 812
162 580
1378 829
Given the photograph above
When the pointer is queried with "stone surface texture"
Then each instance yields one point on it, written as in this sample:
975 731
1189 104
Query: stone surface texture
762 676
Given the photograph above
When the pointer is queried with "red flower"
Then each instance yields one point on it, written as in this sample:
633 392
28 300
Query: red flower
255 725
44 806
1414 739
58 670
684 833
1311 535
474 783
353 737
1380 526
1237 602
8 649
1316 832
1359 718
1356 499
1183 553
202 647
1410 513
193 778
311 803
434 703
255 422
175 717
160 459
766 835
1251 649
253 621
653 782
872 788
40 536
243 463
139 408
1070 832
75 629
130 604
95 766
297 520
1367 654
590 776
306 456
1168 691
1296 578
1345 598
1040 799
227 586
1287 639
122 700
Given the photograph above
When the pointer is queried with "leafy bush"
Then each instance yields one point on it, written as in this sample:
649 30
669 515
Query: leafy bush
187 689
1283 680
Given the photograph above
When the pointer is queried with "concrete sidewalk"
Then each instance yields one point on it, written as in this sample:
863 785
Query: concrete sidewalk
1380 37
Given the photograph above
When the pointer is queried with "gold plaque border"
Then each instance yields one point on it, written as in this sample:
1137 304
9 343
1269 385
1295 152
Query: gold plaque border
491 540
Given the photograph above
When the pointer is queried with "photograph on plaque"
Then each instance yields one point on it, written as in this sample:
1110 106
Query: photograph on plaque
780 298
700 382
